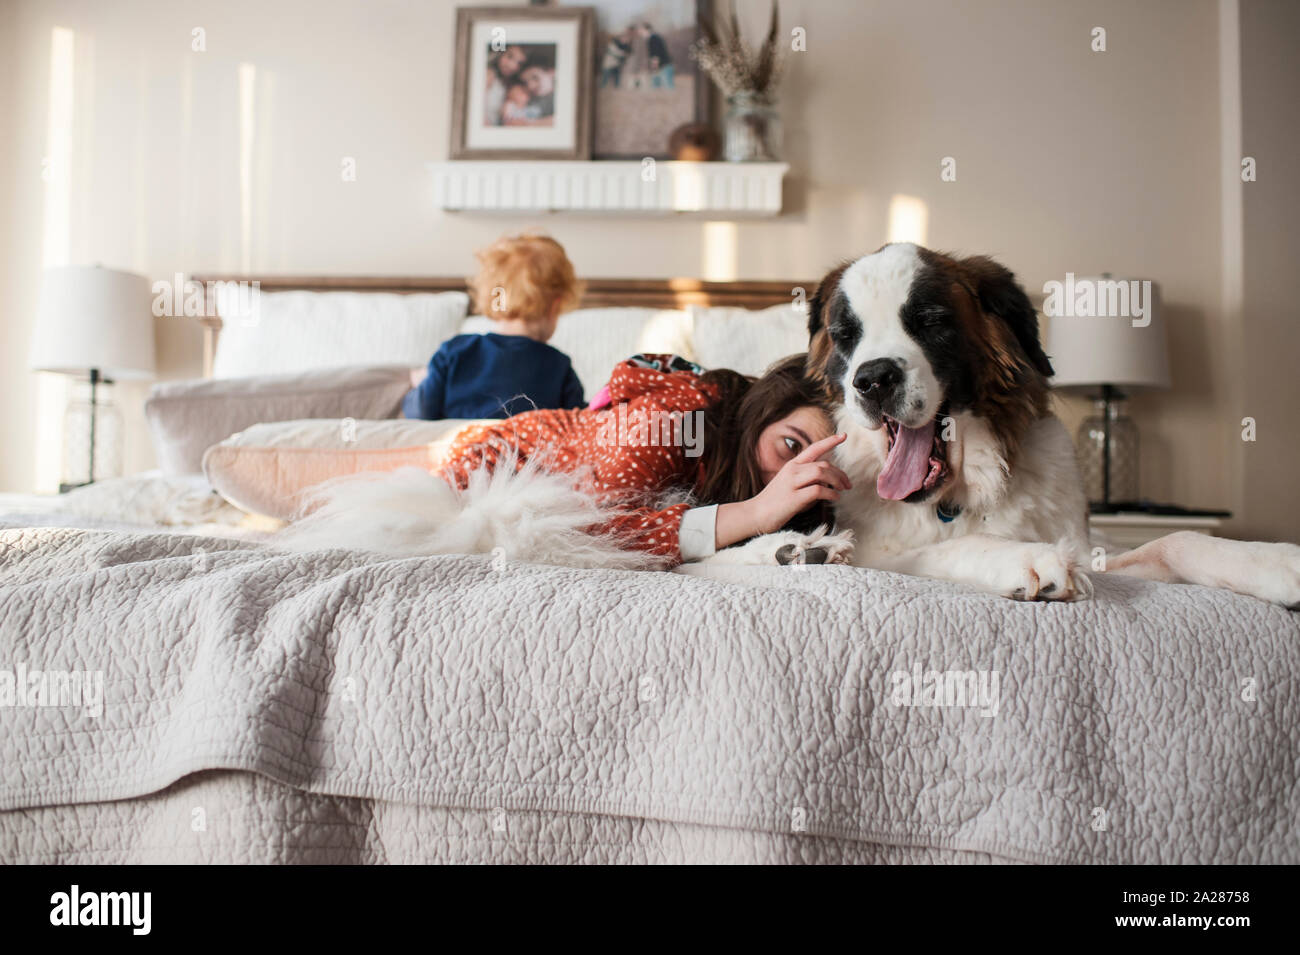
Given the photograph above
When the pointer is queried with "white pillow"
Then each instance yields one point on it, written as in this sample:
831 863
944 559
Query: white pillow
747 341
278 332
264 469
188 417
344 434
597 339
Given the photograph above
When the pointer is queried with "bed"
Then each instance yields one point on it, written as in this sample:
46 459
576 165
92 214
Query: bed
209 699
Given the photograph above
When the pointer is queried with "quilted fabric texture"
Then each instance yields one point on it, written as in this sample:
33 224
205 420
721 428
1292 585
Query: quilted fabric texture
247 818
338 707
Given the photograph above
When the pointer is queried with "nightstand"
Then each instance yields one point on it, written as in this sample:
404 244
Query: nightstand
1134 528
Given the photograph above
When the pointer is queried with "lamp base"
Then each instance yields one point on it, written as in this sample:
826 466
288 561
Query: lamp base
92 433
1107 446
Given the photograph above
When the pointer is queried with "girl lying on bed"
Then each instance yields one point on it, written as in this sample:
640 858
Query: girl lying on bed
750 451
741 456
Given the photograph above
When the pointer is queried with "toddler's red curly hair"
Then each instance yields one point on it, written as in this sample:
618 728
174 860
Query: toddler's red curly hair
522 276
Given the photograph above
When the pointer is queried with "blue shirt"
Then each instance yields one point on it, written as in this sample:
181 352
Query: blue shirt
493 376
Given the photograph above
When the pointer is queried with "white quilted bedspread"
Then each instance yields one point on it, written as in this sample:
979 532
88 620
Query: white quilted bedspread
339 707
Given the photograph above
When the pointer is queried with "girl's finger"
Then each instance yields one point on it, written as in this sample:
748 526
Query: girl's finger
841 477
833 475
825 493
818 448
817 492
821 472
807 475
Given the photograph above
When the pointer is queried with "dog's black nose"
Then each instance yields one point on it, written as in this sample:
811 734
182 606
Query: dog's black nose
876 380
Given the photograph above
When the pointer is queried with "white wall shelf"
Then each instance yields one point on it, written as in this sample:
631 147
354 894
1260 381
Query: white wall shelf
716 189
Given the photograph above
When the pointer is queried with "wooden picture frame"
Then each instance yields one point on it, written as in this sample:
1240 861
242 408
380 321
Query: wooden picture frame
606 112
474 90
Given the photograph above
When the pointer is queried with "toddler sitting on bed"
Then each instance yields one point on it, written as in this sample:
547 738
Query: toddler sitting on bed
524 283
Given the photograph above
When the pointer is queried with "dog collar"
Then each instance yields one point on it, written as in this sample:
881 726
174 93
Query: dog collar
947 514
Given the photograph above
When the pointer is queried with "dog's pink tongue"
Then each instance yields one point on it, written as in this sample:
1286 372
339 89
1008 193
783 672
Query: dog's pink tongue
908 463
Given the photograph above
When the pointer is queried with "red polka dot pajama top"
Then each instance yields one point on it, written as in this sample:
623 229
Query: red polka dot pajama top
622 466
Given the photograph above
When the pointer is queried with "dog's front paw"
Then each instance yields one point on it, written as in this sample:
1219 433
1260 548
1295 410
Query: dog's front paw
788 547
1038 572
817 548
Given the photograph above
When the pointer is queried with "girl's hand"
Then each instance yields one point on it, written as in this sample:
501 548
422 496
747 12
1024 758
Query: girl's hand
801 481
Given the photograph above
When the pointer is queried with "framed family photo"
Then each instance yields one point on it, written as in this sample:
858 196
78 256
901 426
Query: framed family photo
522 87
647 82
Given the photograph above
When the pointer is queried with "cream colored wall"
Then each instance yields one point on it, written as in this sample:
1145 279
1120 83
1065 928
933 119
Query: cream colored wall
1271 232
17 265
1067 160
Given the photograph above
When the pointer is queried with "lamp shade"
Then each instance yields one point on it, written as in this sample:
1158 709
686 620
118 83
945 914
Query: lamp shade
1100 333
92 317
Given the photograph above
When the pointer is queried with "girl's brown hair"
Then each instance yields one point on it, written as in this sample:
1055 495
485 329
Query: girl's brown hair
733 423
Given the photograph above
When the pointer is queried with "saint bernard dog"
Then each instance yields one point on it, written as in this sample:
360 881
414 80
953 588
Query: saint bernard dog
959 469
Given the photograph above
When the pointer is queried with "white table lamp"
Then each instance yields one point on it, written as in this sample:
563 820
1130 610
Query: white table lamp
97 323
1108 342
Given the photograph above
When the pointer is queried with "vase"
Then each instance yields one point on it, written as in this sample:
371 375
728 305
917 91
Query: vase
752 129
1123 456
92 436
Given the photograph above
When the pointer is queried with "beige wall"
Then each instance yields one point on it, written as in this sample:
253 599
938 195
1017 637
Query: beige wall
1067 160
1270 85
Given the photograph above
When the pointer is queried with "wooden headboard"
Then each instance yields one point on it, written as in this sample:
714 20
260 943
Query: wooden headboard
599 293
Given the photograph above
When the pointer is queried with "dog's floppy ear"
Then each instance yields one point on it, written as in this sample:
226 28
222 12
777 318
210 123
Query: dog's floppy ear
822 297
819 340
1000 294
816 305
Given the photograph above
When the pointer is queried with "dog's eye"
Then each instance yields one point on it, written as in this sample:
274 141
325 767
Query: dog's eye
934 317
